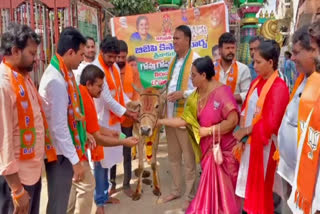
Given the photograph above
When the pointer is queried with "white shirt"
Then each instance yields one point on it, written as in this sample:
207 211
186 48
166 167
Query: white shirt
54 94
104 104
243 81
173 82
288 142
77 73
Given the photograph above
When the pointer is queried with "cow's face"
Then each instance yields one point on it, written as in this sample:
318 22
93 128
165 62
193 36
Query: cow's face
151 106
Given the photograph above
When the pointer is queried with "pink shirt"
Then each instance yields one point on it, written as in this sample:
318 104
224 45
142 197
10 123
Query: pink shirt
29 171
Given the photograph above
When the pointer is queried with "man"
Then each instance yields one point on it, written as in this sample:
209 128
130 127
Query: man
21 114
215 53
305 194
91 83
289 69
88 57
132 61
129 76
230 72
253 47
64 111
303 55
179 88
111 111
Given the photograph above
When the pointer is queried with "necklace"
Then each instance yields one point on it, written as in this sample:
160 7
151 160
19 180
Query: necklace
202 100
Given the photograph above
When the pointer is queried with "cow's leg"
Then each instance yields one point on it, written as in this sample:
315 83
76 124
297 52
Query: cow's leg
156 183
136 196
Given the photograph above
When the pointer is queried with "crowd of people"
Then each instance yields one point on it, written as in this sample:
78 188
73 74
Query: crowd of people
254 140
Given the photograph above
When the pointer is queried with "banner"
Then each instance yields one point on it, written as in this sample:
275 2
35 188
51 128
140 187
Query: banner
88 21
150 37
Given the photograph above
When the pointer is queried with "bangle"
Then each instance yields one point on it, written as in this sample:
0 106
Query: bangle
210 131
247 130
18 195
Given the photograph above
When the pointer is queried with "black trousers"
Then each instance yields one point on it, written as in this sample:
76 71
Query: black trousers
59 176
6 203
126 163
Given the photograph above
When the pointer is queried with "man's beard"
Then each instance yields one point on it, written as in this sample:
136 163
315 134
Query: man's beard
27 68
228 59
90 57
121 64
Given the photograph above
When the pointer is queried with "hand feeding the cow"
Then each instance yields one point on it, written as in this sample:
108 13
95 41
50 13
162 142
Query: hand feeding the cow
150 109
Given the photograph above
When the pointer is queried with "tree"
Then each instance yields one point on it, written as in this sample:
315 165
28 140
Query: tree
132 7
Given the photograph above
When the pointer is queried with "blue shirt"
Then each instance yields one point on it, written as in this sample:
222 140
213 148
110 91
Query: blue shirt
252 71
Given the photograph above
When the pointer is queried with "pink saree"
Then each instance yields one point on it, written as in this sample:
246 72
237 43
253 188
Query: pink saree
216 190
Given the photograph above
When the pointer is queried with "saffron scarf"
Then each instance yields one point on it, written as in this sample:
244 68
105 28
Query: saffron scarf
97 153
232 78
128 80
298 82
257 198
183 79
296 85
309 159
262 97
26 117
190 116
76 117
115 86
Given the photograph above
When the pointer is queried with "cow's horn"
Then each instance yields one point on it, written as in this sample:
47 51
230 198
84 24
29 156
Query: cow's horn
136 88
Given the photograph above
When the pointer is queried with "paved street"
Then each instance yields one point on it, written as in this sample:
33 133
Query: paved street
148 202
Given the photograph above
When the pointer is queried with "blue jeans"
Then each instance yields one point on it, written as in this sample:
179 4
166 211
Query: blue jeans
101 194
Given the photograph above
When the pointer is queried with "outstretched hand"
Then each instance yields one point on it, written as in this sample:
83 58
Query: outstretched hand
130 141
174 96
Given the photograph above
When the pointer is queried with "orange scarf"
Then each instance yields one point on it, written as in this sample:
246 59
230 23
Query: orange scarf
258 199
238 149
296 85
262 97
127 81
74 111
298 82
308 98
232 78
115 87
26 117
309 160
97 153
128 77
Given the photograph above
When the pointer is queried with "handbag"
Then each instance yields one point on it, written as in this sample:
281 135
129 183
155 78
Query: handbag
216 149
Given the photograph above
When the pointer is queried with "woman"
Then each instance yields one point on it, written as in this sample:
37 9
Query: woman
142 30
212 105
261 116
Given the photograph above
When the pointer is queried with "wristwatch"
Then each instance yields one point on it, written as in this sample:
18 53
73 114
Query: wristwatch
185 95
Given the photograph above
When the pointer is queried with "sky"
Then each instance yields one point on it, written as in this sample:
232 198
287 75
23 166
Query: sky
271 6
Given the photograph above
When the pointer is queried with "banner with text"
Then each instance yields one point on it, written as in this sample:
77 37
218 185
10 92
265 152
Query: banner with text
150 37
88 21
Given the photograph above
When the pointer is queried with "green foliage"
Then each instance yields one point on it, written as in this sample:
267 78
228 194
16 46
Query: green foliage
132 7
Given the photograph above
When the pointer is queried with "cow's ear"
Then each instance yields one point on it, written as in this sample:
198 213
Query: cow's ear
133 106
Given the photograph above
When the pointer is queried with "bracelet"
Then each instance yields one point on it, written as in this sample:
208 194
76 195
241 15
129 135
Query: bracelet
18 195
210 131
